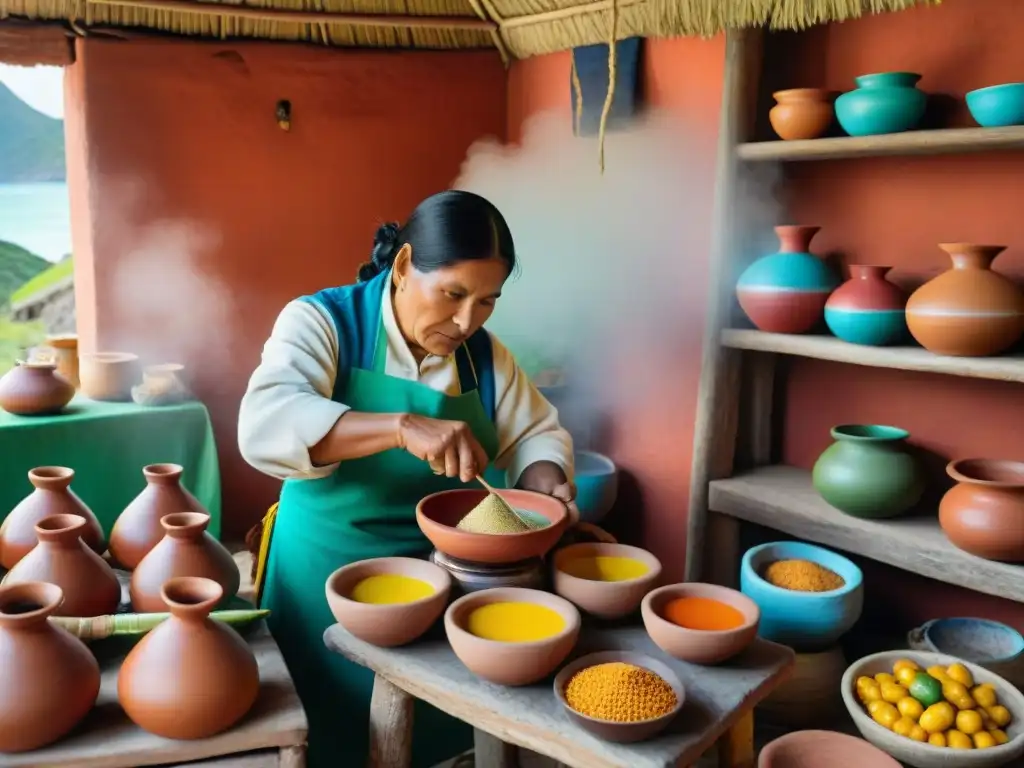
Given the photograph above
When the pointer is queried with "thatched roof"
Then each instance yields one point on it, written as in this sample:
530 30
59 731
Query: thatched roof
518 28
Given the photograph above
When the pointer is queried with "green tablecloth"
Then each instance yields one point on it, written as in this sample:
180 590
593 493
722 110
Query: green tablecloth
108 444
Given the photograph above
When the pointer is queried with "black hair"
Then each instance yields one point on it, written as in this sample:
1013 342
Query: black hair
445 229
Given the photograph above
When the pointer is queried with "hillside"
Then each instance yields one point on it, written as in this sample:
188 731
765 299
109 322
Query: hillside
31 143
17 267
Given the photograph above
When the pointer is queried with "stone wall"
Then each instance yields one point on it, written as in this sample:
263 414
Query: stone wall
54 307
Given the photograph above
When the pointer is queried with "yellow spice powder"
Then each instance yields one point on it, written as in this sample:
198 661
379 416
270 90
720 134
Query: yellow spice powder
619 692
802 576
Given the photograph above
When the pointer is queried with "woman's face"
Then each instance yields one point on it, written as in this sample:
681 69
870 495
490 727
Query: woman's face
439 310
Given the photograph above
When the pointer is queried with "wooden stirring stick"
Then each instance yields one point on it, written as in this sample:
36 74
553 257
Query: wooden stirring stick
491 490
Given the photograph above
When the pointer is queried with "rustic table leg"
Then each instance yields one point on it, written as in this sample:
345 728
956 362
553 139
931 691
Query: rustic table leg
736 747
491 752
292 757
390 726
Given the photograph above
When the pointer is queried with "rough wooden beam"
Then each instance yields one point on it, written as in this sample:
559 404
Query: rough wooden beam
28 44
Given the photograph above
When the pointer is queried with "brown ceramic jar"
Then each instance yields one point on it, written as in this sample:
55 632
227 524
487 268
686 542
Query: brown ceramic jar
52 496
191 677
34 389
984 512
138 528
90 586
49 680
186 550
801 113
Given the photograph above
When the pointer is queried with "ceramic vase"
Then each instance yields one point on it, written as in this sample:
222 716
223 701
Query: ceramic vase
49 680
785 292
137 529
186 550
52 496
191 677
34 389
61 557
867 308
968 311
801 113
984 512
887 102
868 471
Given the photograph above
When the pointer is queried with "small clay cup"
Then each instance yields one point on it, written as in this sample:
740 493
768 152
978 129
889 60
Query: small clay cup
802 113
510 663
695 645
393 624
812 749
604 599
109 375
609 730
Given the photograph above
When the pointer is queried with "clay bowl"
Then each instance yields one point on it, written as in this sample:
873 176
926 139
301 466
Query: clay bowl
109 375
695 645
162 373
813 749
510 663
439 513
392 624
604 599
920 755
990 644
609 730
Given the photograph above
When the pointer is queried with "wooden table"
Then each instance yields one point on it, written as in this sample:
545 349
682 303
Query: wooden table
718 708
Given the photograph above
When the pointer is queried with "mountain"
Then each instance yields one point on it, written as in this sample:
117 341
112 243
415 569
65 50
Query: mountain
31 143
17 267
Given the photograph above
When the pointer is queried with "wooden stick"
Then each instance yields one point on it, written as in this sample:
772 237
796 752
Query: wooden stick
560 14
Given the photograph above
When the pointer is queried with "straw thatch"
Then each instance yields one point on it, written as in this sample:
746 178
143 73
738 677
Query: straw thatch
517 28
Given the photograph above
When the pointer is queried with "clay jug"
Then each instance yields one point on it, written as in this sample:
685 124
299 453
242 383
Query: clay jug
61 557
52 496
801 113
984 512
868 472
137 529
191 677
969 311
49 680
867 308
785 292
34 389
186 550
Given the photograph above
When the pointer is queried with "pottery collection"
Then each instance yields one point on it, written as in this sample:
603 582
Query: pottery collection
801 113
983 513
887 102
867 309
34 389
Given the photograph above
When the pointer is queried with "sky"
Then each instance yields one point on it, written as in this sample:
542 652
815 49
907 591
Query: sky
42 88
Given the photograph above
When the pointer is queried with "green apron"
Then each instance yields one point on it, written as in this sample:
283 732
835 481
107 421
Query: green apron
365 509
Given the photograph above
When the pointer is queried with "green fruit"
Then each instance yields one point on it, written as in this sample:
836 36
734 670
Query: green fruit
926 689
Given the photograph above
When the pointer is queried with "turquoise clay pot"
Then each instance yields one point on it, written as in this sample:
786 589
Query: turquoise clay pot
887 102
868 472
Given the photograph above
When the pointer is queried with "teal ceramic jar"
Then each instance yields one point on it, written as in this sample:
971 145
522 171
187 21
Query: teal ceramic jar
887 102
868 471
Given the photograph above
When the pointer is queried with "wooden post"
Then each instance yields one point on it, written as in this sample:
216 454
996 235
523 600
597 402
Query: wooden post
736 747
292 757
390 726
491 752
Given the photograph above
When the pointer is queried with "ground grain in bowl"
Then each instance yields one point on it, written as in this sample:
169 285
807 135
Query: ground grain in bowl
619 692
802 576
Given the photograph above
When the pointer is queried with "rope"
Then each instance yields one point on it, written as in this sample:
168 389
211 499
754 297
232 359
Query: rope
610 96
577 112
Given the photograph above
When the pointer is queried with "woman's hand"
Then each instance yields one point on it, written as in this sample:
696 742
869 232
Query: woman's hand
548 478
449 447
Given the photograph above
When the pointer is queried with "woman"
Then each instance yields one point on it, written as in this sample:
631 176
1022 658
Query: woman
368 398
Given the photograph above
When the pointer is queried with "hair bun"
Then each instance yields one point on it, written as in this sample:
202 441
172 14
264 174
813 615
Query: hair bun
387 235
385 248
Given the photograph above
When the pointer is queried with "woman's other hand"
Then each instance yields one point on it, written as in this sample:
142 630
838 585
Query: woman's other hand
449 447
548 478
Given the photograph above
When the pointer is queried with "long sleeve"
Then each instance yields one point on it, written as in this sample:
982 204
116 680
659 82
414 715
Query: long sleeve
287 407
528 427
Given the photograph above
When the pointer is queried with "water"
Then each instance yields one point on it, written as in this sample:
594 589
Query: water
37 217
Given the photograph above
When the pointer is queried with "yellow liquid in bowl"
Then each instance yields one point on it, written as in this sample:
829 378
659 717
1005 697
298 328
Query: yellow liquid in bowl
605 568
515 622
390 589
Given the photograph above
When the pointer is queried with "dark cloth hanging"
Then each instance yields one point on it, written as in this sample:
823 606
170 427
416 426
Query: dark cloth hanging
591 71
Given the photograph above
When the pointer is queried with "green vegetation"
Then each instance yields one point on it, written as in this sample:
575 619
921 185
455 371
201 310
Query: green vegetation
17 267
43 280
15 339
31 143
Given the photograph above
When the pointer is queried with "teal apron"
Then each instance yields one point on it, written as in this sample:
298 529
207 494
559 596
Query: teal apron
365 509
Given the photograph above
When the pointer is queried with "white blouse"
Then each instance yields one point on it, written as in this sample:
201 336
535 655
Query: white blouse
287 408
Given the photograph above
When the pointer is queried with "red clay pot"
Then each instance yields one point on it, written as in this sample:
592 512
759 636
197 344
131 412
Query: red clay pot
49 680
186 550
137 529
984 512
802 113
34 389
52 496
191 677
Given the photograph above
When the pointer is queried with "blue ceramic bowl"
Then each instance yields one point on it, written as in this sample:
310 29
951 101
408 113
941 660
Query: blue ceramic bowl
998 105
597 485
978 640
805 621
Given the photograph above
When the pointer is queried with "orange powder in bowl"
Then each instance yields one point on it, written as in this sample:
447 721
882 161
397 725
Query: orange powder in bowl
703 613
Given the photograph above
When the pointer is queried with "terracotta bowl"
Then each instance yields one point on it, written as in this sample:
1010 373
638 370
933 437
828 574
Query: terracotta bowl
813 749
160 373
439 513
109 375
604 599
510 663
695 645
920 755
387 625
609 730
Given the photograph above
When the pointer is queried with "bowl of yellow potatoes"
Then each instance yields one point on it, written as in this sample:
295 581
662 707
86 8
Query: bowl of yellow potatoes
929 710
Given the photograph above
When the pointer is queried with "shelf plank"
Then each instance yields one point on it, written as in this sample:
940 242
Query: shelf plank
783 498
1004 368
947 141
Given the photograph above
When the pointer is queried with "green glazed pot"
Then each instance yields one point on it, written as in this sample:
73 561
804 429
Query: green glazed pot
868 472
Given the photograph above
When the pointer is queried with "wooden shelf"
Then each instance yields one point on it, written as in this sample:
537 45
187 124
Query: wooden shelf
947 141
783 498
1005 368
